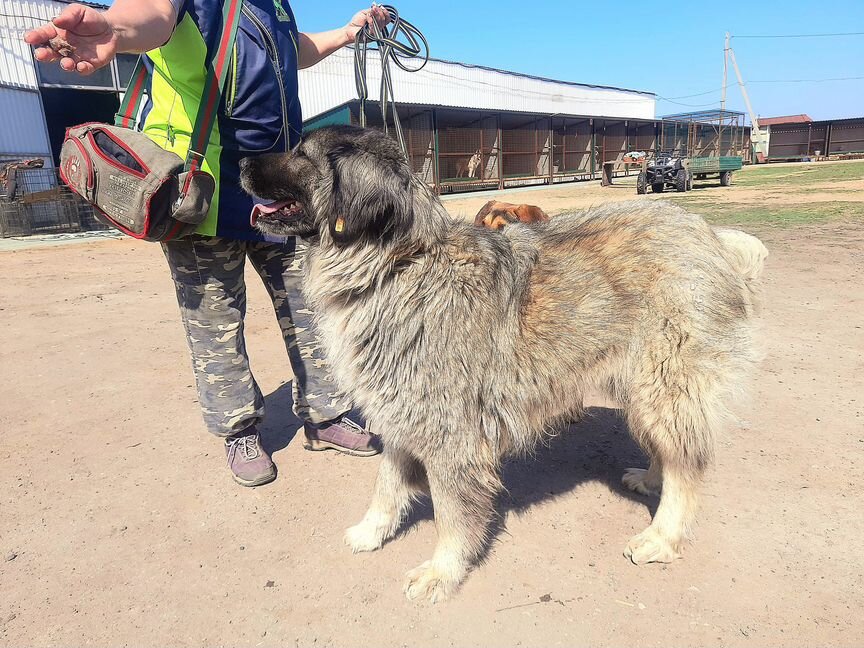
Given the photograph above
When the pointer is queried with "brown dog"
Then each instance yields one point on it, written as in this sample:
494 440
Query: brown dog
495 215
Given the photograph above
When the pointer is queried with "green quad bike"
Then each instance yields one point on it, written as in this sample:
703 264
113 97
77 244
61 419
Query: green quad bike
675 172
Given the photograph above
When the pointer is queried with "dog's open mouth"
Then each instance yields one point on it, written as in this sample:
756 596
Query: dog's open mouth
284 211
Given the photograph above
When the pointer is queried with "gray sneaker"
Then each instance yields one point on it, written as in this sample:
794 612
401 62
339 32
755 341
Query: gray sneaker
250 465
342 435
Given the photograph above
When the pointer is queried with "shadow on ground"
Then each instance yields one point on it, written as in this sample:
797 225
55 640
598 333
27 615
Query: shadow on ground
280 425
596 449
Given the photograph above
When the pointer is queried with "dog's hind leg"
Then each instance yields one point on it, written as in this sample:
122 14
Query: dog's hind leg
672 417
400 481
464 498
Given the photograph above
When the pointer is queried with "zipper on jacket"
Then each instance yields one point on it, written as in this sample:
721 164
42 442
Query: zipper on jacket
273 55
231 94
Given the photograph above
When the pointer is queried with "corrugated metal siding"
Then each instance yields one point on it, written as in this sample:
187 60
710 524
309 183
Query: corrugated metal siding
23 132
331 83
16 17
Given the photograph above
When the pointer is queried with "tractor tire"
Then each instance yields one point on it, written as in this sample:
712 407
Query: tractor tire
725 178
657 187
681 181
642 183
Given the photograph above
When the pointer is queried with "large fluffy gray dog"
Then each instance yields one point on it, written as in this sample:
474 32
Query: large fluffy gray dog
465 345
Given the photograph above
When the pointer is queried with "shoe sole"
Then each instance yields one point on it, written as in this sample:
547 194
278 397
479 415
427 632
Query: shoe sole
317 445
260 481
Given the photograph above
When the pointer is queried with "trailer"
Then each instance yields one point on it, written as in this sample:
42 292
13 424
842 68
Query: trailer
695 146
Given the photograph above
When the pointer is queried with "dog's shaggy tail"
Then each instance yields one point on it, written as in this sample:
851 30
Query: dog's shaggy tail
746 253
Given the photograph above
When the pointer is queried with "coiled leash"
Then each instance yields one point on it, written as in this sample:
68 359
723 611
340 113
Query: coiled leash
389 48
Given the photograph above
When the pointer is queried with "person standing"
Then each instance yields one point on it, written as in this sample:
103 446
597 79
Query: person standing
260 113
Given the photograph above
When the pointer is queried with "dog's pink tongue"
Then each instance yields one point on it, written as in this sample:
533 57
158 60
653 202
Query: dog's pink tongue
269 208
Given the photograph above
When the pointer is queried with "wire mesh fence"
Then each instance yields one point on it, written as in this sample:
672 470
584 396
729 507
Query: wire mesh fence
34 201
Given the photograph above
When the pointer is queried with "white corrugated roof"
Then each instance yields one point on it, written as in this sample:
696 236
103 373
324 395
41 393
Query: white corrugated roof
443 83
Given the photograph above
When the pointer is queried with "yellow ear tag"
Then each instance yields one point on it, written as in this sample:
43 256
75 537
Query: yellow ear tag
340 224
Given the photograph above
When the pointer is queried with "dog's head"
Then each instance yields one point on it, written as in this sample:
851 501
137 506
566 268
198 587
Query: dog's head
345 183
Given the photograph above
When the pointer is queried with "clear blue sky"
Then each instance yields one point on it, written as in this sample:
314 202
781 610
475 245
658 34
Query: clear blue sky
649 46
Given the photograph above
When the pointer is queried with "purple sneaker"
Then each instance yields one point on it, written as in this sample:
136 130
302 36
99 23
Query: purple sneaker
249 464
342 435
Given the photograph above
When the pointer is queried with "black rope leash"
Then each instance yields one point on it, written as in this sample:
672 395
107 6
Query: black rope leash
390 48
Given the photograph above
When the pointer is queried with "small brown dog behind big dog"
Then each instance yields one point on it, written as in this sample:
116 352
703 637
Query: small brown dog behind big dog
496 215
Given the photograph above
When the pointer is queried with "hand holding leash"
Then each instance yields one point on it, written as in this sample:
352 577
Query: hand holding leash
375 16
386 38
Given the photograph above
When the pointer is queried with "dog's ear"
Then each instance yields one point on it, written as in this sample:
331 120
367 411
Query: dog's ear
480 218
372 197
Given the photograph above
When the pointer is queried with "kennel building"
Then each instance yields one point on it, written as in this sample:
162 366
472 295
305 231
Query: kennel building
800 138
513 149
471 127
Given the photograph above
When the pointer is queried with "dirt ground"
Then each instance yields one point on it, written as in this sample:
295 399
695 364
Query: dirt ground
120 524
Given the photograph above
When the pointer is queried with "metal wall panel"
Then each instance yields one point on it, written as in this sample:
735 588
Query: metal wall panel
440 83
23 133
847 136
16 17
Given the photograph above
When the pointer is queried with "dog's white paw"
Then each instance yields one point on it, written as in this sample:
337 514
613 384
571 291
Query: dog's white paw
363 537
641 481
649 546
429 581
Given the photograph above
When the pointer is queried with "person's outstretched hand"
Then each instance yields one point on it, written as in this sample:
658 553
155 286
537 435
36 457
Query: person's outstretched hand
81 38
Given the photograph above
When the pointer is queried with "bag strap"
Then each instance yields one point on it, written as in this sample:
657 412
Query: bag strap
131 104
214 86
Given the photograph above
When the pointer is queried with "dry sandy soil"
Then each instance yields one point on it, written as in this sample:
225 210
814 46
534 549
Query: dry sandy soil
120 524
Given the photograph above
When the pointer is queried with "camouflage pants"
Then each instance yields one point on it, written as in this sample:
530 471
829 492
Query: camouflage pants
209 278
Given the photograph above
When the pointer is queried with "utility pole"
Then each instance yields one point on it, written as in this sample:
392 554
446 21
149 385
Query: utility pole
755 133
725 72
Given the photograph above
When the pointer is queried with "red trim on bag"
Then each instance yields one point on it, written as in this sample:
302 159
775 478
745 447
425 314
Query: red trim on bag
123 229
85 158
126 148
174 231
114 162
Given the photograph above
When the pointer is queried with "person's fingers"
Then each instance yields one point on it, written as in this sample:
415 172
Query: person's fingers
84 68
45 55
70 17
67 64
381 13
40 35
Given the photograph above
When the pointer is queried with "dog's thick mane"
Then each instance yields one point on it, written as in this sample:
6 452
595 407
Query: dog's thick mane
432 237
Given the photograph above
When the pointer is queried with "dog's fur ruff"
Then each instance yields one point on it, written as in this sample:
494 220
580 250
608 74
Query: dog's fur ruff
497 215
464 345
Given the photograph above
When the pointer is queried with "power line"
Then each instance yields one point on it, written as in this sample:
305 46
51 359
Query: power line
730 85
800 35
687 105
855 78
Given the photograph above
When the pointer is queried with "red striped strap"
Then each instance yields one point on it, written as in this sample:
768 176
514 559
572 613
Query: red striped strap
128 113
217 71
214 86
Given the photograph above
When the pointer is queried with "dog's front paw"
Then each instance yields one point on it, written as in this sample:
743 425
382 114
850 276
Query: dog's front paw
374 529
429 581
649 546
363 537
640 481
